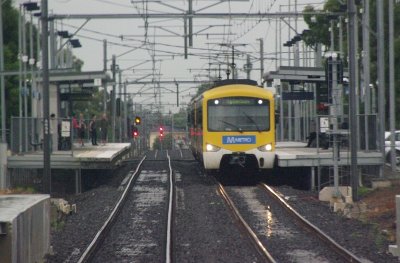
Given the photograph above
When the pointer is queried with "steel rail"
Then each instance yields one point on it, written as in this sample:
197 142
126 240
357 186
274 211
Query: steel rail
344 253
250 233
89 252
169 247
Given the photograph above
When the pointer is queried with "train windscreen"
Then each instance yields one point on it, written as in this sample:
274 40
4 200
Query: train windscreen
238 114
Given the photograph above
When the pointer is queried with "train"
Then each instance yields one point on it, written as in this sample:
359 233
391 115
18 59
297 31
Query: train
232 125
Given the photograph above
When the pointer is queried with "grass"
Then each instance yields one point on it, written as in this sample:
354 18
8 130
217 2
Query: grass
18 190
57 225
363 191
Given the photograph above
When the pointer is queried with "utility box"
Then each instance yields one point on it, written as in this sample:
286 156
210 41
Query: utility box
24 228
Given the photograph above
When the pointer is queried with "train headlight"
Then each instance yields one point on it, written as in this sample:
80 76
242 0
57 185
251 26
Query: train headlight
265 148
212 148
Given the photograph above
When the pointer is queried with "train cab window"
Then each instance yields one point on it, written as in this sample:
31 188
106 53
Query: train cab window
238 114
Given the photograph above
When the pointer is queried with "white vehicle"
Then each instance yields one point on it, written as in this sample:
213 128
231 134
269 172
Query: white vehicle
397 146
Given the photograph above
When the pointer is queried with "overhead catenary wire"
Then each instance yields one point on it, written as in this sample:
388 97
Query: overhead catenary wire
167 49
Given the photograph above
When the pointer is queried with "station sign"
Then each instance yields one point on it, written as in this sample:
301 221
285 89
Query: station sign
97 82
298 95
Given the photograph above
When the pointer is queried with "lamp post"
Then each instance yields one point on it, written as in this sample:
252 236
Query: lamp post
2 82
46 110
27 6
352 111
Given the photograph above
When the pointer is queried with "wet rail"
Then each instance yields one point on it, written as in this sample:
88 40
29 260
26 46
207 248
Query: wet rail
258 245
159 186
276 230
346 255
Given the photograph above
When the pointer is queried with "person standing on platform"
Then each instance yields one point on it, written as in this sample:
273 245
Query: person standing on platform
82 128
313 134
53 135
93 131
103 128
75 126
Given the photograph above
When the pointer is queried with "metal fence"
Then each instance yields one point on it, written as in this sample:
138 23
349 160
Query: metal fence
301 128
27 135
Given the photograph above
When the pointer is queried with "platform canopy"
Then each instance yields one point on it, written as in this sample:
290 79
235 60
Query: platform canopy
298 74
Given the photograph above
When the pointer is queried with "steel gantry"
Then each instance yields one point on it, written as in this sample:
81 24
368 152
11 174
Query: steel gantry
189 15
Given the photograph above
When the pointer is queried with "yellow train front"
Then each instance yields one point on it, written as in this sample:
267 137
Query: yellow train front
233 124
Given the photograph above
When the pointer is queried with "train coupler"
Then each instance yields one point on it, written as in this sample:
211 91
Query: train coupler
238 158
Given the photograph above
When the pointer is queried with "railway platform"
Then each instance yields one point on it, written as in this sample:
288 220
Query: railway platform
296 154
318 162
79 158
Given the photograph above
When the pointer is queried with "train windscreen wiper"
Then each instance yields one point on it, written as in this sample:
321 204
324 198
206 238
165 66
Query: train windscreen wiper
233 125
251 119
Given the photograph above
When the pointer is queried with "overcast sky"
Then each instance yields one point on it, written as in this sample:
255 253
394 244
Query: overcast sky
136 45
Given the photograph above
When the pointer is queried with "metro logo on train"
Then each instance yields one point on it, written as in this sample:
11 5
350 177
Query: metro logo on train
251 139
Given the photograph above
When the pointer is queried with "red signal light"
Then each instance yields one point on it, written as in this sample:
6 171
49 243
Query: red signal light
161 129
135 132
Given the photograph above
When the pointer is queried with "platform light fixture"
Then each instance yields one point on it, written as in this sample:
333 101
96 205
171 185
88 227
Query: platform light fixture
31 6
64 34
75 43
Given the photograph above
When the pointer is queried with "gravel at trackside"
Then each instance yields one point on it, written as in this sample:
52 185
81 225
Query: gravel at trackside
138 232
93 207
204 229
361 238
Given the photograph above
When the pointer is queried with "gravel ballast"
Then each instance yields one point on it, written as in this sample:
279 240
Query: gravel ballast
205 231
360 237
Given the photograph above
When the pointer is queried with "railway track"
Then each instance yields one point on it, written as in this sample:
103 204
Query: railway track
277 231
203 229
144 210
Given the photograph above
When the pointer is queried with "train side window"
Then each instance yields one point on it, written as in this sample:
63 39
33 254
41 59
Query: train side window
191 117
277 117
199 118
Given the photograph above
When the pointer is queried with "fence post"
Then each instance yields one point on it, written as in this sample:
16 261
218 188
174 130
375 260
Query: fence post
395 249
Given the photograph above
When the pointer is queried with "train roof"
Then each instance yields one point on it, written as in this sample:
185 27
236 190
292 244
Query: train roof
226 82
235 81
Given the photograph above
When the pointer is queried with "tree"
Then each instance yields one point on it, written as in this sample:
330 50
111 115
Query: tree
180 119
319 33
10 38
203 87
11 62
166 142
